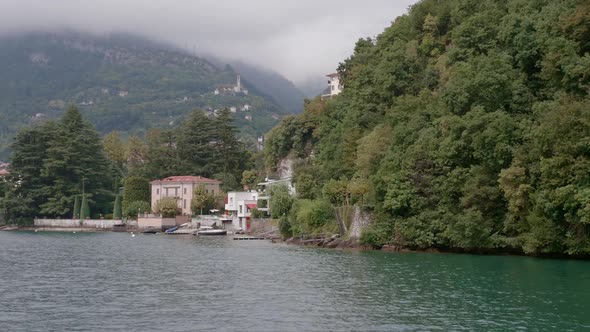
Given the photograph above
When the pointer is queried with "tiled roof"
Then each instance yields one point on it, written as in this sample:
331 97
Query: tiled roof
186 178
4 172
332 75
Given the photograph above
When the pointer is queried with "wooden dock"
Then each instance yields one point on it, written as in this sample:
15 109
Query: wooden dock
249 238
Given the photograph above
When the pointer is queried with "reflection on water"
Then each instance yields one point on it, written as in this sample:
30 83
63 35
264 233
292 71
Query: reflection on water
115 282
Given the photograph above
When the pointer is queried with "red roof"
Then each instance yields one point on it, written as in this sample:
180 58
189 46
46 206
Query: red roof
186 178
333 75
4 172
251 206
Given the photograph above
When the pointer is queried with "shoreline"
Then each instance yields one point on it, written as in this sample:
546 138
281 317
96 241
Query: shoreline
334 243
353 245
55 229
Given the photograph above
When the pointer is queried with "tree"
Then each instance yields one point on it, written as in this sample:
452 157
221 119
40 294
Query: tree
76 213
114 149
74 155
85 208
202 200
135 189
135 154
161 159
168 207
249 179
134 208
26 188
196 145
117 210
280 201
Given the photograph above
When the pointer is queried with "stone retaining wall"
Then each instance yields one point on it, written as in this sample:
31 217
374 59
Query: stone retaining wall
75 223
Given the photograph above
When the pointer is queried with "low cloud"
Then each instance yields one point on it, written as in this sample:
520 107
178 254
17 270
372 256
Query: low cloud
300 39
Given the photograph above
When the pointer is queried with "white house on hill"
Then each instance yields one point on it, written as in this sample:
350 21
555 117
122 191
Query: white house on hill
334 86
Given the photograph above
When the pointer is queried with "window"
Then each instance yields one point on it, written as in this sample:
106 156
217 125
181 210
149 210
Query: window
157 191
240 208
231 201
185 191
176 192
185 203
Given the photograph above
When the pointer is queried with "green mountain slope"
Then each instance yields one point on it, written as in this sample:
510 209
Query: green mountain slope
119 83
463 126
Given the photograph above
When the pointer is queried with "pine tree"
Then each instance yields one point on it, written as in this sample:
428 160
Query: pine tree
196 145
73 156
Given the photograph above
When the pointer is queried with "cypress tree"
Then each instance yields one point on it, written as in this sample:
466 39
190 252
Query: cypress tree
85 211
76 213
117 211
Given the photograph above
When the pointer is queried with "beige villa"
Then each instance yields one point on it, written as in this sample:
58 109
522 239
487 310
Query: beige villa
181 188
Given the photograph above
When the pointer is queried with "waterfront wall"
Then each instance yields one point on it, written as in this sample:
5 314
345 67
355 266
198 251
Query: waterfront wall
155 222
75 223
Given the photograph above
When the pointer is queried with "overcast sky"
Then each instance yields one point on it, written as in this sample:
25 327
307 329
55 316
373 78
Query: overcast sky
301 39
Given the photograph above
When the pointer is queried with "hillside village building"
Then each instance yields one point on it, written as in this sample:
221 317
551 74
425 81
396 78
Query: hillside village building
334 86
238 207
238 88
181 188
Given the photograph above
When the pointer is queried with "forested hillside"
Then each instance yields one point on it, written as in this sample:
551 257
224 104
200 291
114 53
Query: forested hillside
465 125
118 83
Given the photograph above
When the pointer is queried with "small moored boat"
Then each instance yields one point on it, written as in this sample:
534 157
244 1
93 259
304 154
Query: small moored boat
206 230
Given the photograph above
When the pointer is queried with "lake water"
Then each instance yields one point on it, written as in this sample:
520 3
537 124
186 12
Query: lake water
115 282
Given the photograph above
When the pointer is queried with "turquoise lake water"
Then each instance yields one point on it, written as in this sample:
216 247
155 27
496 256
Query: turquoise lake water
115 282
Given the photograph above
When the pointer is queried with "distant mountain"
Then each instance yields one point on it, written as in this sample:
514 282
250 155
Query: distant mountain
286 94
126 83
313 87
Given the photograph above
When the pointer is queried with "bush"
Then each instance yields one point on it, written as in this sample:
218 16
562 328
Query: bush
133 208
312 215
168 207
280 201
375 235
285 227
256 214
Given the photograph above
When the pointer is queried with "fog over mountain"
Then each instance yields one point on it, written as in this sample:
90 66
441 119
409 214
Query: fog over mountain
301 39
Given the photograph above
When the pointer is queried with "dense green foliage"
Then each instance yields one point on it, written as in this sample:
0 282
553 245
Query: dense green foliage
135 188
51 164
280 201
168 207
134 208
463 125
122 83
85 208
76 212
203 201
200 146
117 209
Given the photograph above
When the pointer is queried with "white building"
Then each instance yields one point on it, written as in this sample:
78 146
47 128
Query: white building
334 86
239 205
182 189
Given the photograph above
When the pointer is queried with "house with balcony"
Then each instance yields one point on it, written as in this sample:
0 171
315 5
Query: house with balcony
334 87
182 189
238 207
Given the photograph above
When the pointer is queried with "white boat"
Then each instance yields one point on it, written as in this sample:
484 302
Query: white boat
182 229
206 230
